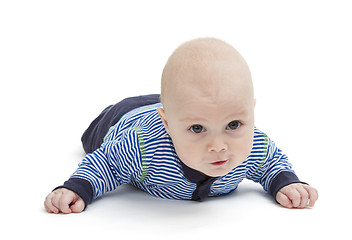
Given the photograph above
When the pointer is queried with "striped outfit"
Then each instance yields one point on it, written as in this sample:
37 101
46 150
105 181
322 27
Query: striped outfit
137 150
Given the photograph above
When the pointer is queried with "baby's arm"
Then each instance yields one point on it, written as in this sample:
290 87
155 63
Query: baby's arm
297 195
77 192
65 201
276 176
94 175
99 172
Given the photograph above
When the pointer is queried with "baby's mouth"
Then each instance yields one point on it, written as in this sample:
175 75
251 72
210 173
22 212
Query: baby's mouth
219 163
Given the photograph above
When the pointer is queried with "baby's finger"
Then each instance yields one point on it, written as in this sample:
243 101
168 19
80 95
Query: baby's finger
283 200
294 196
78 206
313 195
304 197
64 203
56 200
49 207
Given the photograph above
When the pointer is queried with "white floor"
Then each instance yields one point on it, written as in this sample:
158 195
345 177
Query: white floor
62 62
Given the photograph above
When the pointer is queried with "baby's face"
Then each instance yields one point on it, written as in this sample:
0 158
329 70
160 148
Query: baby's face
211 124
212 137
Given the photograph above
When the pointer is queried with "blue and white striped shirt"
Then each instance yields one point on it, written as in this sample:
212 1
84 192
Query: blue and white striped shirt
138 150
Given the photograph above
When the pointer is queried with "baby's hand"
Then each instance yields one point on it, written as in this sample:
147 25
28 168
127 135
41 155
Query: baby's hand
65 201
297 195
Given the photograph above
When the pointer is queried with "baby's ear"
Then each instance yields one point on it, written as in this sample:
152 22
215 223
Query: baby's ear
162 116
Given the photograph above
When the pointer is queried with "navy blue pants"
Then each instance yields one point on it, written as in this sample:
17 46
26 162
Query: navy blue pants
93 137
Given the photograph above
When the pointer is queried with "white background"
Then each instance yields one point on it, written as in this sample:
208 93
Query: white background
62 62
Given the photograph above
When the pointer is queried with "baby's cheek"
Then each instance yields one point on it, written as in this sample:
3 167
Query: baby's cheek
186 152
248 144
243 147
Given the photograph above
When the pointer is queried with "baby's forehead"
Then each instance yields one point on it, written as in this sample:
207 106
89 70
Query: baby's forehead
194 105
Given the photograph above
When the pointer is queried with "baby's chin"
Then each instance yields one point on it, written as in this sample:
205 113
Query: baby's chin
216 172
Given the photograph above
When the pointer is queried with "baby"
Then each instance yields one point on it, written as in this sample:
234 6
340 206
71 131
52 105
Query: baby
200 141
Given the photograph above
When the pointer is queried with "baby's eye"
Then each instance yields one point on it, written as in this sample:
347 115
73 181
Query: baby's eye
233 125
197 128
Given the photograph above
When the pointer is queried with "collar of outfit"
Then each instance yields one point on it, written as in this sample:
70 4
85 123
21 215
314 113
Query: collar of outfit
203 182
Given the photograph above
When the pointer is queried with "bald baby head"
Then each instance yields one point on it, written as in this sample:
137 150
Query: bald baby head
206 66
208 105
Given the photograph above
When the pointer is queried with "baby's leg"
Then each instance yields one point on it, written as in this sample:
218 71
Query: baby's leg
93 137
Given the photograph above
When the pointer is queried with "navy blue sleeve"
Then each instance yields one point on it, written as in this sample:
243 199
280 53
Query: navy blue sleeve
281 180
80 186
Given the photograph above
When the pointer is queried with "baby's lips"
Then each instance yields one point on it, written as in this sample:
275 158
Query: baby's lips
218 162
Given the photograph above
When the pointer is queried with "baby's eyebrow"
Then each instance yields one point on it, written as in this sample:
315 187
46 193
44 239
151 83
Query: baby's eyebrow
239 113
231 117
193 119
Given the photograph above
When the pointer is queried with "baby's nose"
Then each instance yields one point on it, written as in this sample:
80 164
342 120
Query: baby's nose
217 145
